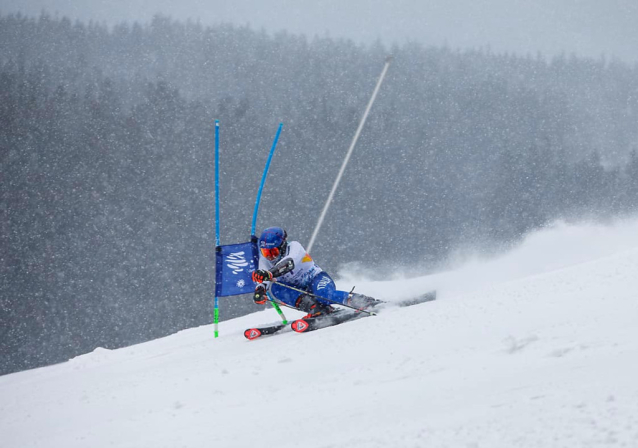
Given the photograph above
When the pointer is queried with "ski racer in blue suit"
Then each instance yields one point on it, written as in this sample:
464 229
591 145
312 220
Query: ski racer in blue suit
287 263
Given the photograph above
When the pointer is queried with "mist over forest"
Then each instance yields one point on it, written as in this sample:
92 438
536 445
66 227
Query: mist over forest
107 187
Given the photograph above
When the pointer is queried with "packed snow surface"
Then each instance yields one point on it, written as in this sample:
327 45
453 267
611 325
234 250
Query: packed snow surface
535 348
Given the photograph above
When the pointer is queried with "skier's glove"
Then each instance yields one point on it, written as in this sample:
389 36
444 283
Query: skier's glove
261 275
260 296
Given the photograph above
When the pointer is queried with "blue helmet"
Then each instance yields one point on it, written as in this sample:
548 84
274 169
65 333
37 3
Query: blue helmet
272 243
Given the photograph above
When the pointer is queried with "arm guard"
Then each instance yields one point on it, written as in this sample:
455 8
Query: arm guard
284 267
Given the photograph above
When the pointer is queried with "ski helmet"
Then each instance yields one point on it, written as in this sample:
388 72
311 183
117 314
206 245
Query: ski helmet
272 243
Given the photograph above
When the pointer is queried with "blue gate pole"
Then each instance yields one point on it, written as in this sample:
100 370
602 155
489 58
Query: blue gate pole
255 213
217 240
263 179
217 243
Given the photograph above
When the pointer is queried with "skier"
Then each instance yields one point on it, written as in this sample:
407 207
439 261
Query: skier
291 265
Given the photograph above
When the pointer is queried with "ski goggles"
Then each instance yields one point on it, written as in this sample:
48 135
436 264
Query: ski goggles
270 254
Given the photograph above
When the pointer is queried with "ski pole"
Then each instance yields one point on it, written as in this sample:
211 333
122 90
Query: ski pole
324 298
279 302
388 60
276 307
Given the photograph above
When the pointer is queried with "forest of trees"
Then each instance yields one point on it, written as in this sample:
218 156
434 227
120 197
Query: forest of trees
107 180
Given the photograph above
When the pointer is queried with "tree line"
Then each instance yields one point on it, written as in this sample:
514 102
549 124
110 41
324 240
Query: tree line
106 145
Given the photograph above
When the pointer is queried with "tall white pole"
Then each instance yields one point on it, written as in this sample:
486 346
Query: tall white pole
388 60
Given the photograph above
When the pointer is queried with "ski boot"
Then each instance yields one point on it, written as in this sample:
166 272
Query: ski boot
362 302
313 307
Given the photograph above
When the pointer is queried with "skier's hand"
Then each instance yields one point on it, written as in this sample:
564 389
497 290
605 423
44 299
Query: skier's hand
261 275
260 296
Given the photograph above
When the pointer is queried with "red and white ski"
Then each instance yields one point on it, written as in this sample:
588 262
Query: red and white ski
254 333
338 317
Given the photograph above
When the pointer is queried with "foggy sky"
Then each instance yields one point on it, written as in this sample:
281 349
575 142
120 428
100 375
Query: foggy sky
583 27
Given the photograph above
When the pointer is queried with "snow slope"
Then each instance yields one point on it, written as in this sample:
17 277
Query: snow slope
536 348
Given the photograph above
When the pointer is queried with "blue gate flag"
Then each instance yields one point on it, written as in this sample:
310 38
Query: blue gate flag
234 266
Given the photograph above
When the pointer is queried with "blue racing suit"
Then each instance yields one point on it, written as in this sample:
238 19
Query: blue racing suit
305 275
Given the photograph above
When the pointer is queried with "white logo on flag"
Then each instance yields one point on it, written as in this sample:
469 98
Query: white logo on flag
237 262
